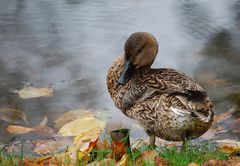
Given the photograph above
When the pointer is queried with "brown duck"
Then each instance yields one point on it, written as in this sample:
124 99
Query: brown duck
167 103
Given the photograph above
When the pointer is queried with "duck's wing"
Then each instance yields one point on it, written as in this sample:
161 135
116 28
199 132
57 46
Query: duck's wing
161 81
170 81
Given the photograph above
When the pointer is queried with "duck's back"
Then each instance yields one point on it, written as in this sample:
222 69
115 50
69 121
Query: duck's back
159 82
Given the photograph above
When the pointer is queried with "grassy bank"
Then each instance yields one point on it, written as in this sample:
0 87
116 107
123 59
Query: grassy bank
143 155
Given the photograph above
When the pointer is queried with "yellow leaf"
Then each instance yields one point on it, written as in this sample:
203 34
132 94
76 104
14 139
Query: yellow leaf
123 161
193 164
13 115
72 115
88 136
79 126
14 129
32 92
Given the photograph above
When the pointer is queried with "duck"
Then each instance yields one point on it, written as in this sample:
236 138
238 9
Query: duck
167 103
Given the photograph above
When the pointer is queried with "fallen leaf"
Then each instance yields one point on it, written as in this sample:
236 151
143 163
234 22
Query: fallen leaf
48 160
103 145
103 162
72 115
123 161
79 126
103 114
147 157
83 154
15 129
119 149
43 147
159 161
88 146
87 136
228 145
44 121
32 92
228 149
222 163
13 116
193 164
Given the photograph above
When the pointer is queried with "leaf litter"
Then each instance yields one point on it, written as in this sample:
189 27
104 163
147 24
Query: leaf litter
86 129
32 92
14 116
72 115
79 126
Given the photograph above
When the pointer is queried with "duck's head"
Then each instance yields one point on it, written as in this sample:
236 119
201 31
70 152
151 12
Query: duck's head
140 51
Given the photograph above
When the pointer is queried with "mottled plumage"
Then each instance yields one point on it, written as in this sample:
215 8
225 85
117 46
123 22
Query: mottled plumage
167 103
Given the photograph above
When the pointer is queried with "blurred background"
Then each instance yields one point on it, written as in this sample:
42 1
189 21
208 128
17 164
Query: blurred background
70 44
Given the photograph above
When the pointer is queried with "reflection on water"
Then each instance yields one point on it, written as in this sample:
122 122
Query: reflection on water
69 45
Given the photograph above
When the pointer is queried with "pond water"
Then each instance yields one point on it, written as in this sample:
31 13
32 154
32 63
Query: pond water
70 44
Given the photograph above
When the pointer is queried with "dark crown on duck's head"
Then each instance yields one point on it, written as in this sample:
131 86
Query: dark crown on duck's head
140 51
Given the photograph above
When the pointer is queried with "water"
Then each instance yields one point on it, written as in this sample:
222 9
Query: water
70 44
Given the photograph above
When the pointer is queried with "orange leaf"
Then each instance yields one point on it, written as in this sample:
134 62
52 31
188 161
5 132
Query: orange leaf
229 149
159 161
15 129
119 149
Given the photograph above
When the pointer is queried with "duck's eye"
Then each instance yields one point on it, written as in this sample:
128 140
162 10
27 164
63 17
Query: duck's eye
139 50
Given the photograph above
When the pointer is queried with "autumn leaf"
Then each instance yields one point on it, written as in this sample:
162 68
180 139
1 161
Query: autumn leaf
13 116
228 145
123 161
87 136
159 161
15 129
193 164
79 126
231 162
42 129
72 115
32 92
103 162
84 151
147 157
103 145
43 147
119 148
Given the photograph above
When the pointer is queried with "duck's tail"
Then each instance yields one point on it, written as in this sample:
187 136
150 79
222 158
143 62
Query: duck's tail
206 118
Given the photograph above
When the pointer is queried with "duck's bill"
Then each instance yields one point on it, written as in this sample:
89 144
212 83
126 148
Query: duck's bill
127 73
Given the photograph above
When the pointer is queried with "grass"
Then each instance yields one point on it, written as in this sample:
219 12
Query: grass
192 154
8 159
197 154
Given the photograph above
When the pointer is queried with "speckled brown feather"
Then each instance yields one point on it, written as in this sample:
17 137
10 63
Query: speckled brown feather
168 103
